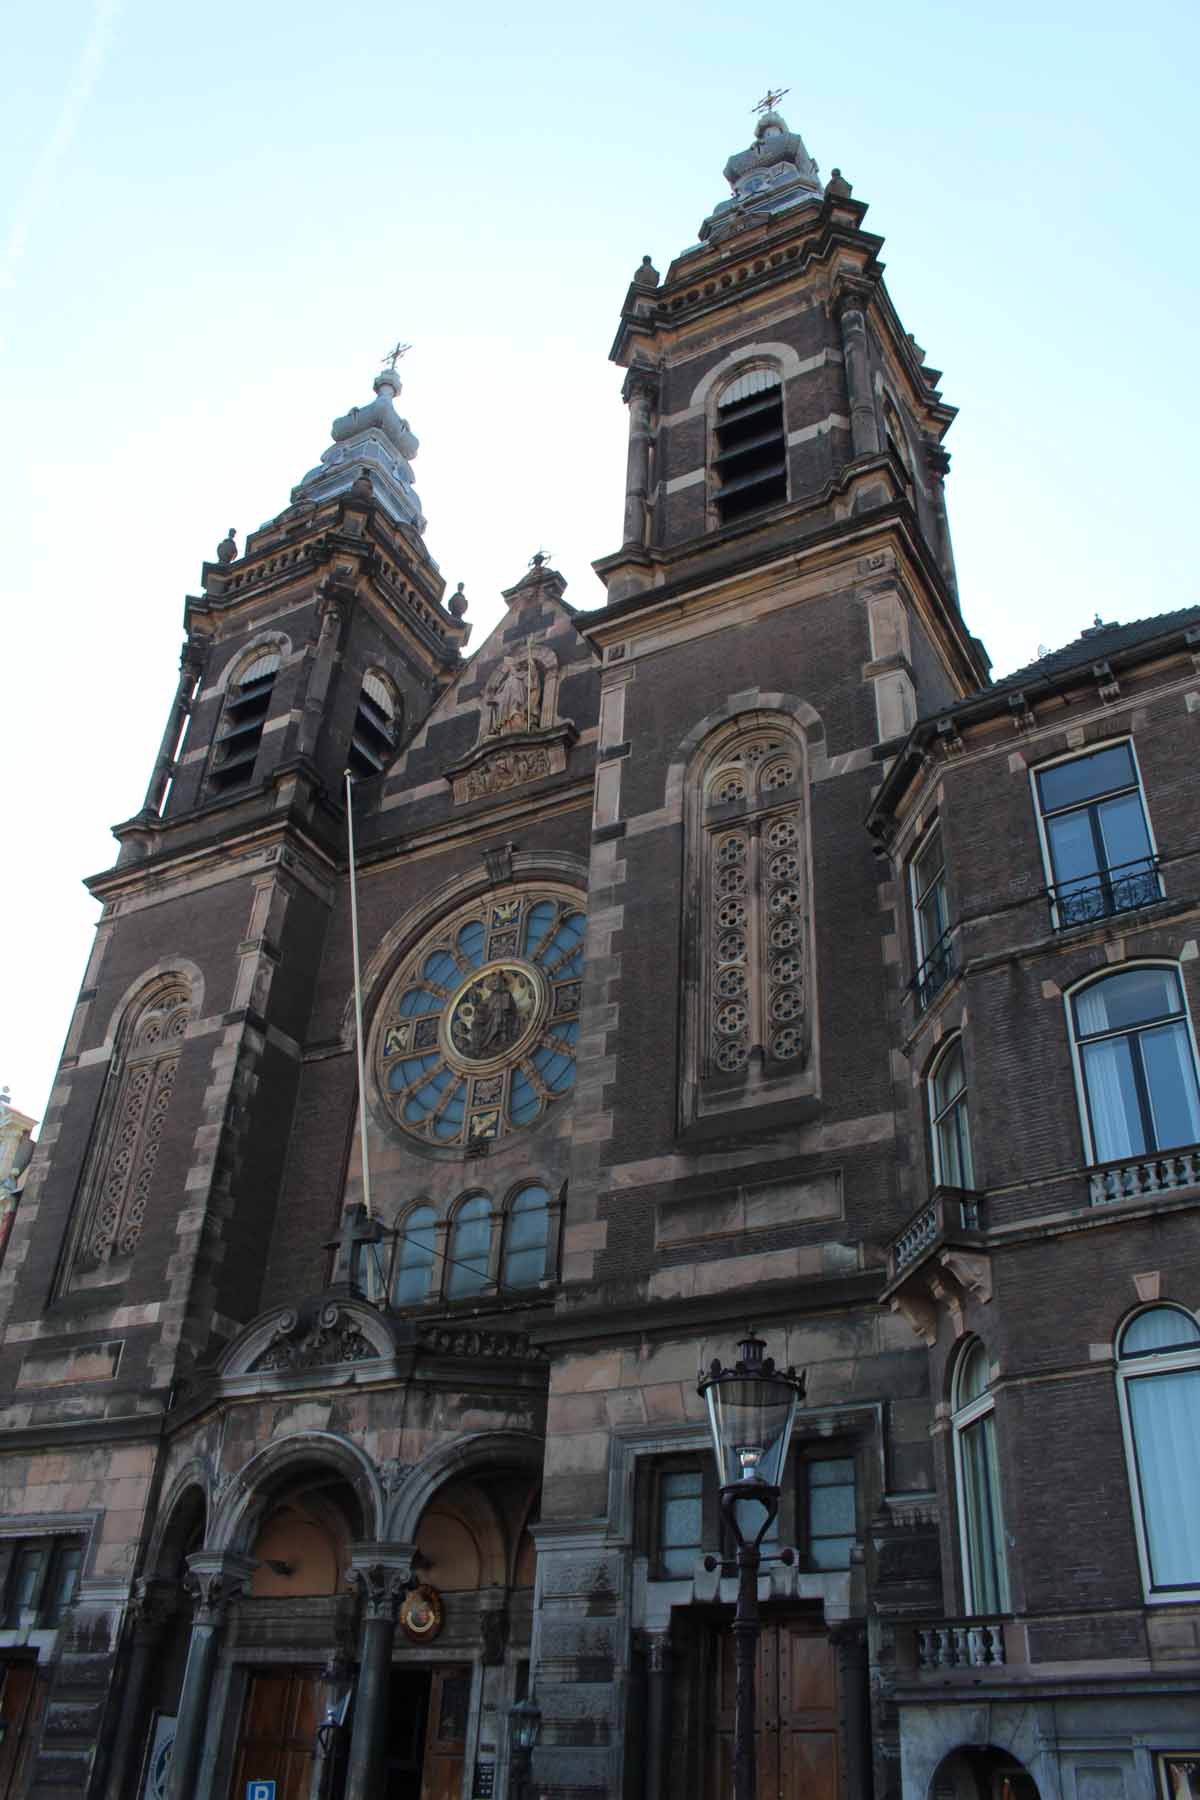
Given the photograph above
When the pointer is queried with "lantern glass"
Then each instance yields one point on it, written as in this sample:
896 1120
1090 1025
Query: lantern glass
525 1719
751 1418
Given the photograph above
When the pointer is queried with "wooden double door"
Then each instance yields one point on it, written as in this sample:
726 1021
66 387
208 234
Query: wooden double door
796 1706
426 1738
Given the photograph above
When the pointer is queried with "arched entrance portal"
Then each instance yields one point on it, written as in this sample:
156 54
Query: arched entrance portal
981 1772
462 1651
299 1538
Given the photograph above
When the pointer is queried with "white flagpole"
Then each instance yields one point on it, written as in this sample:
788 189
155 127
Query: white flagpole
358 1013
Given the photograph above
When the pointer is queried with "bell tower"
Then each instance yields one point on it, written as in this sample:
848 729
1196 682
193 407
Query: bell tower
778 409
320 645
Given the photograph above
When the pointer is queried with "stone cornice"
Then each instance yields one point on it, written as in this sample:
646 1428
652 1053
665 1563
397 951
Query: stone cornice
599 1320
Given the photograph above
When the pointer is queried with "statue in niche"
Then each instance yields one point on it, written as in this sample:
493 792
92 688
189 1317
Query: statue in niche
513 699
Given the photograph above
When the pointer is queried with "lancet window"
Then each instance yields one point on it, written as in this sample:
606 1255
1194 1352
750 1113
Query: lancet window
755 902
131 1128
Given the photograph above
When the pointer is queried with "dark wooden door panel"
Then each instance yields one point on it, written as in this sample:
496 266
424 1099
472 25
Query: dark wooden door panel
278 1733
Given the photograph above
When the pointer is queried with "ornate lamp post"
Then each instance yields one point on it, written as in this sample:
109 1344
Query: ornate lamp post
524 1723
751 1410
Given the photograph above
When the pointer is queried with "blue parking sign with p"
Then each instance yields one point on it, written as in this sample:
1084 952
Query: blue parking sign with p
260 1790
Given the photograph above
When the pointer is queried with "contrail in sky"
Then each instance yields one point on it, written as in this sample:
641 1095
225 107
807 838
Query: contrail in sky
79 89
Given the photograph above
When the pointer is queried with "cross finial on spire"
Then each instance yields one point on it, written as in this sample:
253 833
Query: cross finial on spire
393 356
770 100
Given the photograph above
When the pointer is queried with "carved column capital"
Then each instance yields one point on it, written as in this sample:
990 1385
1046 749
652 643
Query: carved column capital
153 1601
216 1578
381 1574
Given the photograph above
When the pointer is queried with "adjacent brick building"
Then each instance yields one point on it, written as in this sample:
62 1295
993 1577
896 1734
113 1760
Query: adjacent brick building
734 951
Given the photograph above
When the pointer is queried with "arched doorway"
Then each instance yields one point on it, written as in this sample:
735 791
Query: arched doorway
293 1630
454 1679
981 1772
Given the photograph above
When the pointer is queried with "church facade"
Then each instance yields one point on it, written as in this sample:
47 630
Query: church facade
735 953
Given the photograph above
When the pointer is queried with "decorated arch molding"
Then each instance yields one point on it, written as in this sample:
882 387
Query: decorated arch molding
193 1477
737 708
473 1454
264 1476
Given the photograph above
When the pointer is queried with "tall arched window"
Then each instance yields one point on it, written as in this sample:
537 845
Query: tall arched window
526 1238
415 1256
470 1254
952 1165
246 708
376 725
1158 1378
132 1118
1137 1063
754 879
750 444
981 1517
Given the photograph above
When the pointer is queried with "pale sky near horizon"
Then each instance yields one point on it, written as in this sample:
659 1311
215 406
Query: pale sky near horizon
214 222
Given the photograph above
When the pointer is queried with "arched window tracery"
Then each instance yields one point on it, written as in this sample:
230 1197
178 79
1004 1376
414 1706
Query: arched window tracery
755 886
132 1120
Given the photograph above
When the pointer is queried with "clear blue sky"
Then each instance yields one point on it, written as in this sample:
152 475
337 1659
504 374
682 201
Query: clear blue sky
214 220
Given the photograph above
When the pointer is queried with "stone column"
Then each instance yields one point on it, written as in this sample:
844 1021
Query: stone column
215 1577
853 300
191 667
850 1642
658 1713
150 1608
322 673
640 394
381 1573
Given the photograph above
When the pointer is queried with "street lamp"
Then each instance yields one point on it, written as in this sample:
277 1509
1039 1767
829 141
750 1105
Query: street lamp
524 1723
751 1411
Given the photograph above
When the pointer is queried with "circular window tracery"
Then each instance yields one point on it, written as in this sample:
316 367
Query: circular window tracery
477 1035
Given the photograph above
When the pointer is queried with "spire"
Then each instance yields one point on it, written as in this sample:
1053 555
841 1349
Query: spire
373 441
774 173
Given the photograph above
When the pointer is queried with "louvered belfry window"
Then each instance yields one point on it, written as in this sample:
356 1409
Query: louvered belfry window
132 1127
376 727
756 905
750 456
242 725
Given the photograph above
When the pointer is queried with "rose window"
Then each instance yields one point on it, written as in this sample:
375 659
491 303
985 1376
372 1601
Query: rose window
477 1036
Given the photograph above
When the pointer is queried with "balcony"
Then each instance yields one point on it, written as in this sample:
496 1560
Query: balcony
943 1646
951 1215
1136 1178
938 1259
961 1644
1120 889
935 971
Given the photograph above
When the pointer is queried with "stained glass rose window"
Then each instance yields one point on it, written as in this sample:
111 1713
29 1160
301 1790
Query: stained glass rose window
477 1035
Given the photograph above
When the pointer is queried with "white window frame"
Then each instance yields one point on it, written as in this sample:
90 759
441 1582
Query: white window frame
945 1049
932 840
1133 1368
962 1417
1076 754
1081 1097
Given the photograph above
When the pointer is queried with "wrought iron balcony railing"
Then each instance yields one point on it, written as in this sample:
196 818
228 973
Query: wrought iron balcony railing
935 971
1120 889
1131 1178
949 1213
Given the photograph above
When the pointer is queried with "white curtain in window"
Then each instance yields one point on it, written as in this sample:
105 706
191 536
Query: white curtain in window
1112 1100
1165 1411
